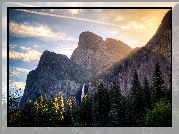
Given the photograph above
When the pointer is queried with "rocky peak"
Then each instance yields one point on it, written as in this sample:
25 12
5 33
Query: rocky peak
117 46
89 40
143 59
94 54
161 41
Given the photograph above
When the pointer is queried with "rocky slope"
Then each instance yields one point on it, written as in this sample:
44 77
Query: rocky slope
143 60
56 73
95 54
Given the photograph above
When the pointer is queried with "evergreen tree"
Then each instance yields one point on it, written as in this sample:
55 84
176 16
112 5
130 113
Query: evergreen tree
135 101
95 110
157 85
28 115
168 90
68 112
146 95
87 102
74 104
41 108
135 85
115 113
103 104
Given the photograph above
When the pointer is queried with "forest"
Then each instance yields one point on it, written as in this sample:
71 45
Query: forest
146 105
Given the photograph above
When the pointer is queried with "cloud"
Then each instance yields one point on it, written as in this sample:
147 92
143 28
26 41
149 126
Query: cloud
17 71
64 50
119 18
35 46
74 11
68 17
135 25
22 4
28 55
18 85
12 46
125 27
41 31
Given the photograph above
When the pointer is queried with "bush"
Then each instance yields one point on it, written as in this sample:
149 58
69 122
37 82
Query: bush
160 115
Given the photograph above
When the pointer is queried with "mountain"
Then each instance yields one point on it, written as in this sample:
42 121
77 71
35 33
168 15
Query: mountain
94 54
96 60
57 73
143 60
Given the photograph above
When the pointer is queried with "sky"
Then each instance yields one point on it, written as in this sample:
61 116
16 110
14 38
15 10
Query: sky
32 31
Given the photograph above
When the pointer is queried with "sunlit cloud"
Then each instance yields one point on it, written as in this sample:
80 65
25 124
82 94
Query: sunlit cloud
119 18
68 17
125 27
64 50
74 11
18 85
18 71
51 10
12 46
35 46
28 55
135 25
42 31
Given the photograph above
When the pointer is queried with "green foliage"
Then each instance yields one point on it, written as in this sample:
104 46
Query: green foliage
157 84
27 114
160 115
115 105
146 95
103 104
95 110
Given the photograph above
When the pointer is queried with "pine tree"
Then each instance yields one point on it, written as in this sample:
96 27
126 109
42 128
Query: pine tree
68 112
103 104
115 105
157 84
95 110
28 115
41 108
135 85
146 95
135 101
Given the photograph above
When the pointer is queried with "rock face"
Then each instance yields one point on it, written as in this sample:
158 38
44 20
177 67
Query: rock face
143 60
55 73
95 54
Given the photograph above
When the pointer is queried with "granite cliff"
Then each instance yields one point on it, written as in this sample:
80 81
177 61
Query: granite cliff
95 54
143 60
57 73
